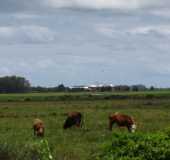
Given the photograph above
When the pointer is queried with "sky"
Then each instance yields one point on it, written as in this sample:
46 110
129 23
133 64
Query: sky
81 42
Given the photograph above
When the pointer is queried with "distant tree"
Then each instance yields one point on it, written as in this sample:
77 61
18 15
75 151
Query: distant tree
134 88
139 87
152 88
61 88
39 89
14 84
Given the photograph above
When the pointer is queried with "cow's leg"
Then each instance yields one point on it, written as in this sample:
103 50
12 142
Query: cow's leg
43 132
78 122
78 125
129 128
110 124
34 128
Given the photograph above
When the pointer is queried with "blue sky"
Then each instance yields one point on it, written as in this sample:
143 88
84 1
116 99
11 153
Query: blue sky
79 42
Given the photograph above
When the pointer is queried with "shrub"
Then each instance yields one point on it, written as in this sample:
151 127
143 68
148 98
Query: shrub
6 152
44 150
37 150
137 146
27 99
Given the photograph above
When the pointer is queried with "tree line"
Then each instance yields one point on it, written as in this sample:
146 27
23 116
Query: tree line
14 84
17 84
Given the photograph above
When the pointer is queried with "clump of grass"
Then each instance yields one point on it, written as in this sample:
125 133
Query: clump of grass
27 99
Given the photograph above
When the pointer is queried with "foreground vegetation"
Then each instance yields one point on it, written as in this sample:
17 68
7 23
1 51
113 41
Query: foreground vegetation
16 134
137 147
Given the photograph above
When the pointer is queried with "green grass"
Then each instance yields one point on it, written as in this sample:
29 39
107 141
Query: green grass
151 115
65 96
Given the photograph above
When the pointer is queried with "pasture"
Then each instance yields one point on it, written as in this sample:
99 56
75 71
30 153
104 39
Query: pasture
18 111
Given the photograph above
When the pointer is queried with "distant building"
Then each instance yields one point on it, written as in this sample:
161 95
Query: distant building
80 88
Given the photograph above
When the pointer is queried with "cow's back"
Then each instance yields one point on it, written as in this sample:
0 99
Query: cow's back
122 119
74 114
72 119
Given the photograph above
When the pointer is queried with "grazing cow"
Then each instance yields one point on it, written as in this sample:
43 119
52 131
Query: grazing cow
122 121
73 118
38 127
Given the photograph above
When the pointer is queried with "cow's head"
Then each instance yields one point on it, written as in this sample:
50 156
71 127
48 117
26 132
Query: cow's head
67 123
133 128
40 130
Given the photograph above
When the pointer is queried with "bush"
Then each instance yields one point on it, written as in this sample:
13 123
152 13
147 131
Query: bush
27 99
43 150
6 152
137 146
37 150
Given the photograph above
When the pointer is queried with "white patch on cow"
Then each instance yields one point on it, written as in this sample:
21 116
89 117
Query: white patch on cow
133 128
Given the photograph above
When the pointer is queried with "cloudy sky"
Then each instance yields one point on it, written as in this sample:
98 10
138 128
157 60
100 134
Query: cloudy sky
79 42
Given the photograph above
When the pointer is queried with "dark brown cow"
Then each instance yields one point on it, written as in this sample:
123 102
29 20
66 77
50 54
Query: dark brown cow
38 127
122 121
73 118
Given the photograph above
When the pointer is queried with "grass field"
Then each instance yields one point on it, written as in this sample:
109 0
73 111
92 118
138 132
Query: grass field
16 116
60 96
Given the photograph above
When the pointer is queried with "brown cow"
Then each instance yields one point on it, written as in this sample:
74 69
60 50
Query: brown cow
73 118
122 121
38 127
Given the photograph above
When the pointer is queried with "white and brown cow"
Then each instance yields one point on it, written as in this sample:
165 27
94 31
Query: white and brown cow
38 127
122 120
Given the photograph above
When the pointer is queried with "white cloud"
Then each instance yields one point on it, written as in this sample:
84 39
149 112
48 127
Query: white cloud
110 30
31 65
104 4
46 5
26 34
159 29
106 30
6 32
25 16
45 63
162 13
